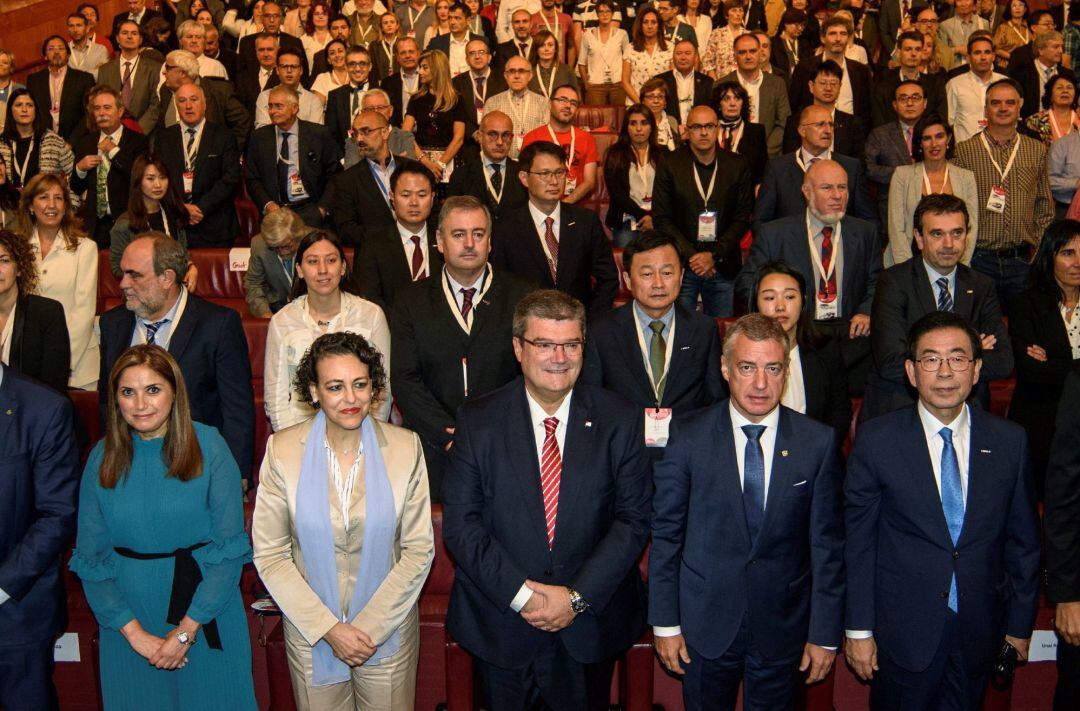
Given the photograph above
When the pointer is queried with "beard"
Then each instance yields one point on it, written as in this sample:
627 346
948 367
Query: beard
826 218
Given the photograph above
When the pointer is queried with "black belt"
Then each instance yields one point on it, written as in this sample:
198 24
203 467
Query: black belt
186 578
298 203
1021 252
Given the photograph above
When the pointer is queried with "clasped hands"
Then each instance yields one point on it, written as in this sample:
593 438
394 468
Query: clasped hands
167 654
350 644
549 607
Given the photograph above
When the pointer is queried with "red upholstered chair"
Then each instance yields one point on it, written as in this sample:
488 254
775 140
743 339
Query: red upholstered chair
623 296
86 409
255 332
108 286
722 323
594 118
219 281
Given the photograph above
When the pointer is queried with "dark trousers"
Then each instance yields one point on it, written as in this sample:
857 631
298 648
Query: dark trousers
713 684
551 681
946 685
854 351
308 212
1010 274
436 459
26 677
103 231
1067 693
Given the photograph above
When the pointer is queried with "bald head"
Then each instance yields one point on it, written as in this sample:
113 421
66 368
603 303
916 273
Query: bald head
816 129
371 131
825 187
702 125
190 104
495 135
518 72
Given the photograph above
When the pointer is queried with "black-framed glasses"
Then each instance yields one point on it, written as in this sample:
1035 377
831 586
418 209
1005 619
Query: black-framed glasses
698 127
932 363
548 347
547 175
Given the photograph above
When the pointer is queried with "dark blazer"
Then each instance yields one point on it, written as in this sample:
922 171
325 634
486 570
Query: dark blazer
442 43
320 158
781 190
39 468
900 556
392 86
788 583
677 205
849 134
890 18
380 269
40 347
782 61
118 182
339 114
613 360
503 52
357 204
586 268
223 106
861 85
825 382
619 201
752 146
468 179
903 296
429 346
1035 320
786 239
465 86
121 17
246 52
217 173
72 97
1027 75
886 148
381 65
229 59
885 92
1024 54
493 524
703 90
208 342
1061 521
247 85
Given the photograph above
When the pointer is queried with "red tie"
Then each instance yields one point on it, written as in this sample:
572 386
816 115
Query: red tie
466 302
827 289
417 259
552 245
550 476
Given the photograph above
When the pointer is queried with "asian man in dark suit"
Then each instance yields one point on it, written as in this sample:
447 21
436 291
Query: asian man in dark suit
887 145
488 172
449 348
652 351
545 510
934 281
143 72
855 73
942 552
203 155
554 244
74 87
300 180
476 86
206 339
746 582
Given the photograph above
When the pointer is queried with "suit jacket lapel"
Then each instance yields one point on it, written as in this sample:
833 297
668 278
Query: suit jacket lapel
575 471
184 328
848 248
923 291
522 449
535 251
964 298
626 333
728 486
8 409
781 474
897 136
980 486
926 487
568 247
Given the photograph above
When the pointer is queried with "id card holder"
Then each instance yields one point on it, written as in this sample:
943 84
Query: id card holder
996 202
826 311
518 140
627 217
296 186
657 426
706 227
607 76
571 186
189 181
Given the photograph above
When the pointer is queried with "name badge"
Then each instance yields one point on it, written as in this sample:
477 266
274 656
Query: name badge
296 186
411 33
607 76
657 426
826 311
518 139
996 202
647 203
571 185
189 180
706 227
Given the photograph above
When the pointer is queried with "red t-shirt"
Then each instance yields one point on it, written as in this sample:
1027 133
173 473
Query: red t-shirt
584 147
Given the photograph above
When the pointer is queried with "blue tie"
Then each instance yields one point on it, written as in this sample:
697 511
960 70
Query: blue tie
753 479
952 499
944 299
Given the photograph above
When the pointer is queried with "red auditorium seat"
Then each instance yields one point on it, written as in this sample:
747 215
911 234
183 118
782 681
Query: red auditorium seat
595 118
108 290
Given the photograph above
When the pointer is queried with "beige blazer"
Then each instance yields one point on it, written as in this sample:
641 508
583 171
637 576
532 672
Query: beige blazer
277 548
905 191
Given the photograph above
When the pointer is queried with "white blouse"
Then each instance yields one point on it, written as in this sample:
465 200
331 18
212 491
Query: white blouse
292 331
71 277
325 83
1072 327
645 65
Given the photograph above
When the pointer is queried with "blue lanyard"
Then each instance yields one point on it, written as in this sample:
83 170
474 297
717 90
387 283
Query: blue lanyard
378 181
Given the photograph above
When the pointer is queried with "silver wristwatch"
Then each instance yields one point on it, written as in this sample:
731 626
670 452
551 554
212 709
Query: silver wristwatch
577 602
184 638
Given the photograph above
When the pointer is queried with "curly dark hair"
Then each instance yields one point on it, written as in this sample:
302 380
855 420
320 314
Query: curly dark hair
331 344
20 252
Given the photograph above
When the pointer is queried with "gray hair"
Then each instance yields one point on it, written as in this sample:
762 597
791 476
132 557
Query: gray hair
185 61
550 305
756 327
291 94
375 92
1046 38
168 254
189 26
463 203
280 226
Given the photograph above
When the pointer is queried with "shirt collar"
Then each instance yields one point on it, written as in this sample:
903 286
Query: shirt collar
932 425
538 217
484 76
816 225
738 420
644 319
456 286
752 82
807 156
502 163
537 414
115 135
198 127
934 274
406 236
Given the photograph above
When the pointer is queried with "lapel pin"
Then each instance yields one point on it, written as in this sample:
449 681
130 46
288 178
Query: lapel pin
984 451
685 348
970 291
588 423
8 412
783 452
570 224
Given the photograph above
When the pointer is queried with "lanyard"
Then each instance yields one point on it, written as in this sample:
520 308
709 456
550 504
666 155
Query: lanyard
20 170
413 18
555 30
1012 157
799 160
491 189
451 299
386 51
573 143
705 195
165 221
551 82
926 181
1054 124
378 181
603 46
654 382
815 256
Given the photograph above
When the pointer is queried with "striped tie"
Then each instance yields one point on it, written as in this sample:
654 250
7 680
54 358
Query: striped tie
944 299
550 476
553 247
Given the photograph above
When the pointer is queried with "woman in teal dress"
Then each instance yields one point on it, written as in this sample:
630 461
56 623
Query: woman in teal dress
160 547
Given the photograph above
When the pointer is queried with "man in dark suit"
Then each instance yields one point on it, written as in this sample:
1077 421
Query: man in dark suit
457 19
451 333
842 291
891 18
929 607
137 12
686 88
770 599
344 102
271 22
708 221
781 190
39 468
910 57
1038 22
204 161
890 144
1033 77
390 258
1062 531
476 86
404 82
214 50
103 163
768 93
139 93
545 510
488 173
848 131
223 107
360 196
207 341
652 351
520 45
290 162
253 80
554 244
935 282
58 90
855 89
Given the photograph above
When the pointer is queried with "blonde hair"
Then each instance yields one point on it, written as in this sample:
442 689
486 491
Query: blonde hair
440 86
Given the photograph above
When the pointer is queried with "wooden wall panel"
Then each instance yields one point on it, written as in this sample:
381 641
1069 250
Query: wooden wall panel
25 23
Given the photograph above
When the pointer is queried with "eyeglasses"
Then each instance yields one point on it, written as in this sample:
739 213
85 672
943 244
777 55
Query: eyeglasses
564 100
819 124
351 65
909 98
932 363
478 53
570 348
380 108
518 71
366 131
289 67
701 127
548 175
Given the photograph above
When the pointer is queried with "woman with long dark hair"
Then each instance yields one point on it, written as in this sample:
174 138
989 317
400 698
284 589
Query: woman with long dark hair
548 72
28 146
160 547
629 170
649 53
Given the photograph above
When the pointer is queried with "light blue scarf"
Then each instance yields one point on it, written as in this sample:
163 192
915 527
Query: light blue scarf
317 541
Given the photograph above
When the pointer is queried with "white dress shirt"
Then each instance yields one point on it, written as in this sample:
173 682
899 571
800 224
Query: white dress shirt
933 275
844 100
458 61
312 107
210 67
603 59
539 219
966 98
684 90
753 89
794 396
407 244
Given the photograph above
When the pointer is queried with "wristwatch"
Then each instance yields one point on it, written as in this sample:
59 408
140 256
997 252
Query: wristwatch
577 602
184 638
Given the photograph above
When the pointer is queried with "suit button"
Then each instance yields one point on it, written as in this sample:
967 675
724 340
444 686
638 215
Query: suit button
955 554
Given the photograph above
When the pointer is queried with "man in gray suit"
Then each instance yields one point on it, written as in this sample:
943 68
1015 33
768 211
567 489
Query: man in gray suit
768 93
139 92
889 145
271 266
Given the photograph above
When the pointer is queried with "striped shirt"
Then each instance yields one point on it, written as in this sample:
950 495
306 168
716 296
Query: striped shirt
1029 206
